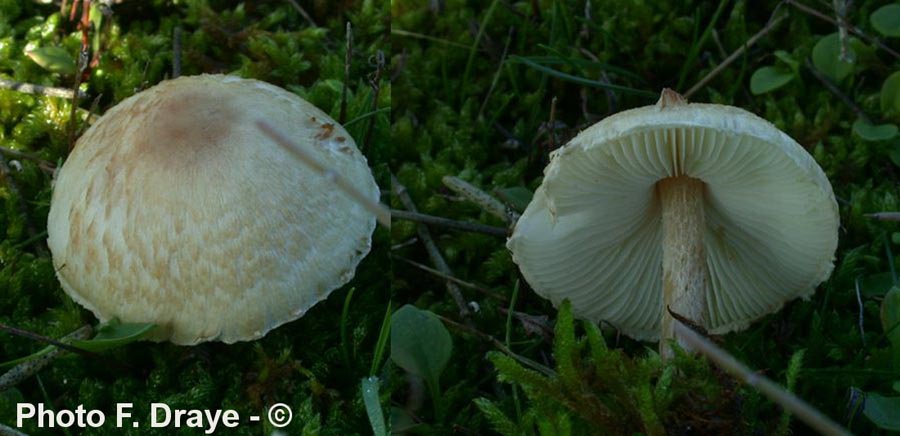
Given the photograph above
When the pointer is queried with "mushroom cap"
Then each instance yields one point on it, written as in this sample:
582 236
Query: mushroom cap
593 231
174 209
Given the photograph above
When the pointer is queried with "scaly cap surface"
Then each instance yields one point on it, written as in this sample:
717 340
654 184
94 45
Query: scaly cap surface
174 209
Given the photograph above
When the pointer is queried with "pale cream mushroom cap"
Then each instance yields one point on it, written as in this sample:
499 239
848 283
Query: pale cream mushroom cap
593 230
174 209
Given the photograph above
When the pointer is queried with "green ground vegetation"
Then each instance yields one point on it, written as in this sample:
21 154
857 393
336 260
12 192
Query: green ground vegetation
314 364
473 91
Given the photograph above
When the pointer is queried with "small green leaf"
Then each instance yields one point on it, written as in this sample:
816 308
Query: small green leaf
890 94
53 59
518 197
421 345
886 20
883 411
114 335
826 57
768 79
871 132
369 388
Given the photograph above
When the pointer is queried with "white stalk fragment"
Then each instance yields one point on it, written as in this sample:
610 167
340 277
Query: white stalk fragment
685 277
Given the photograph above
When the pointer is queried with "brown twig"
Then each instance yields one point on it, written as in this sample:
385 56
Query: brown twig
463 283
28 368
446 222
84 24
773 22
28 88
433 252
47 340
347 58
837 91
73 10
853 29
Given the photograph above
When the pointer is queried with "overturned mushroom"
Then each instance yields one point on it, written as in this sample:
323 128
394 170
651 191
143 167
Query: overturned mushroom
174 209
704 210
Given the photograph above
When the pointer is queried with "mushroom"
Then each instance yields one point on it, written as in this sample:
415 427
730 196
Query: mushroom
704 210
174 209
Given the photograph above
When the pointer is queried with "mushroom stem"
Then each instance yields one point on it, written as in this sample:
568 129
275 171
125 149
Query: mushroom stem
685 276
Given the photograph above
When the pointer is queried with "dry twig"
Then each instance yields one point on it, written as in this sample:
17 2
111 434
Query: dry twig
774 20
45 339
770 389
446 222
436 258
884 216
490 204
853 29
500 346
840 10
28 88
463 283
837 91
30 367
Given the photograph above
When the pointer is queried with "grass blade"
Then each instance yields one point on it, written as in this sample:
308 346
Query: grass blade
581 80
369 388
